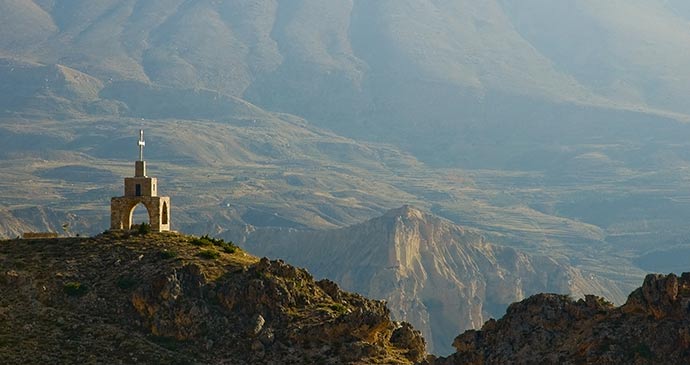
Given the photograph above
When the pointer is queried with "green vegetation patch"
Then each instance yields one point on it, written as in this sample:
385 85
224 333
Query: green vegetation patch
644 351
75 289
206 241
167 342
228 247
201 241
605 302
126 282
332 309
144 229
209 254
338 308
167 254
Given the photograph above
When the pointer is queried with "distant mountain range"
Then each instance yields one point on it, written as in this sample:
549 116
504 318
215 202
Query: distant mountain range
289 54
354 65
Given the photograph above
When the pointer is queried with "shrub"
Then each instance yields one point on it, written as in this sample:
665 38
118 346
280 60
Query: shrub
126 282
166 342
168 254
144 229
338 308
209 254
228 247
75 289
201 241
604 302
205 240
644 351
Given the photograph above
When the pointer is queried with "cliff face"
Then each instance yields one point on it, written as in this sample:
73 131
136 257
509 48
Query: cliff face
440 277
652 327
160 298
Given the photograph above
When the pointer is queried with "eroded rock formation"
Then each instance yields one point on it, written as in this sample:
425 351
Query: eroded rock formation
441 277
652 327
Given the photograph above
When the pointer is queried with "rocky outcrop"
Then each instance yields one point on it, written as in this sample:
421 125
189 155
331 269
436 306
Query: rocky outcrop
161 299
652 327
661 296
440 277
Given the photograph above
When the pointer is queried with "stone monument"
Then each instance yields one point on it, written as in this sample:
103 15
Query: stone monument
140 189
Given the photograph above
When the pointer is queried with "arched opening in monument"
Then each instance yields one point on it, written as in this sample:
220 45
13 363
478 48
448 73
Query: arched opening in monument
139 215
164 213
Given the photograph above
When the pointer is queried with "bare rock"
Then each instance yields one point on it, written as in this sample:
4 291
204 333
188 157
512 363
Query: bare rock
267 336
257 346
259 322
651 328
661 296
406 337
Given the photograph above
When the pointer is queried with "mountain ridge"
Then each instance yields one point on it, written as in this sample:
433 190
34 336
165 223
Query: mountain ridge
353 47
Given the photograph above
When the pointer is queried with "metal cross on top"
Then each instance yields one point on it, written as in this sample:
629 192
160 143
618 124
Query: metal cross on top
141 145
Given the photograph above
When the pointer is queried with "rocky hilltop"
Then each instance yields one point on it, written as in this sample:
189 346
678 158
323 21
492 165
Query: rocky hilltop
652 327
441 277
175 299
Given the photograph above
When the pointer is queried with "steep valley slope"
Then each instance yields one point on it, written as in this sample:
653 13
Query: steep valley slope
440 277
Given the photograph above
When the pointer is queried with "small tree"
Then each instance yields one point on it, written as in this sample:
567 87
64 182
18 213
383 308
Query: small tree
144 229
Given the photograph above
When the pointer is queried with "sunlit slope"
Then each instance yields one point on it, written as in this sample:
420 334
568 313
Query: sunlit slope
631 52
362 67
